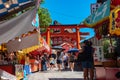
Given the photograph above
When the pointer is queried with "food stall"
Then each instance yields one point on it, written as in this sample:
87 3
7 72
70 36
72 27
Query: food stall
18 34
12 55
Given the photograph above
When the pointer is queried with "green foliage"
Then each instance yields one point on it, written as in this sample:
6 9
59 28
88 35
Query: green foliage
42 30
42 1
44 18
105 45
110 56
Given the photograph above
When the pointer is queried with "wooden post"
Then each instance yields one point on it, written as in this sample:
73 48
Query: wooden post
48 36
78 38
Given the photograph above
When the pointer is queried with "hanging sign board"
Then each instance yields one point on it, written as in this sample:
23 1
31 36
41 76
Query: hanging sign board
98 54
115 21
100 14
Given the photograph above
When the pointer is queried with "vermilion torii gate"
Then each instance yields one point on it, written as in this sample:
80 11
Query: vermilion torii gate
62 33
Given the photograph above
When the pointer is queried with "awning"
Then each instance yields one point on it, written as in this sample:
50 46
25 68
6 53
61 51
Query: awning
17 26
26 42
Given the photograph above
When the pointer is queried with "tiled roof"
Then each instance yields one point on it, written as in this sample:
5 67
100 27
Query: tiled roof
13 4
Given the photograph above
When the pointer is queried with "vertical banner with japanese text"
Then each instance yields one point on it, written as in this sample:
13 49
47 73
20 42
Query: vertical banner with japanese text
115 21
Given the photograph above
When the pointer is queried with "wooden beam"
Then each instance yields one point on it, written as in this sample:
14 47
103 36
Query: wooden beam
65 34
67 26
61 35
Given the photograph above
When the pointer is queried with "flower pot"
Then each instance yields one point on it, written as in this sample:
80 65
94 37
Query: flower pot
109 63
118 62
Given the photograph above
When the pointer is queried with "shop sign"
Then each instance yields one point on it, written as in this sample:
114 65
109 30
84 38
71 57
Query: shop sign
94 7
101 30
105 28
19 71
115 21
101 13
98 53
59 40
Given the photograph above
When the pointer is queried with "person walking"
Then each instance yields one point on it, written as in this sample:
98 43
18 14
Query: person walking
59 60
65 60
52 62
71 61
27 67
43 63
88 62
54 56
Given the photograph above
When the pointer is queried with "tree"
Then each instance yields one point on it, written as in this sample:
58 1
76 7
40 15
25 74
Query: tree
105 45
44 18
42 1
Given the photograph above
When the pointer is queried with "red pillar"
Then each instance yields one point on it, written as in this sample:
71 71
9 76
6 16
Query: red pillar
78 38
48 36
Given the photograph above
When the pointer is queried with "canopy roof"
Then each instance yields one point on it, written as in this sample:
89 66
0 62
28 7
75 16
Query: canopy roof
16 26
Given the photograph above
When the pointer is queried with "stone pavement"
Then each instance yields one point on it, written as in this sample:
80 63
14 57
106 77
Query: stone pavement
56 75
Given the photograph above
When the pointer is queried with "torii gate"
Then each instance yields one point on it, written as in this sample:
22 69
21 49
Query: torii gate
75 35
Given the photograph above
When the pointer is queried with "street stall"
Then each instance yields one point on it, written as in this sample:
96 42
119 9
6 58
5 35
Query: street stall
33 62
36 54
20 49
24 35
17 47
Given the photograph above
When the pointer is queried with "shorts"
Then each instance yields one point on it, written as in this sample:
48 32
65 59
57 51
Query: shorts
71 61
87 64
51 64
59 61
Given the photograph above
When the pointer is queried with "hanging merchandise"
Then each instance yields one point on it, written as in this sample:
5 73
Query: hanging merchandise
105 26
98 35
115 21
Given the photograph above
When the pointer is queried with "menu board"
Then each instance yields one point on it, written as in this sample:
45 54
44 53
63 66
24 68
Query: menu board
19 71
98 53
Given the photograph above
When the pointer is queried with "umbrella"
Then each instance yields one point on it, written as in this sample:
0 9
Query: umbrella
57 47
73 50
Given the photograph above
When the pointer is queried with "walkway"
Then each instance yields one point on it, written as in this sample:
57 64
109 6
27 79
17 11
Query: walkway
56 75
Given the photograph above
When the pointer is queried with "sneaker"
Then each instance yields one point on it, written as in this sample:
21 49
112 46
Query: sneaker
72 71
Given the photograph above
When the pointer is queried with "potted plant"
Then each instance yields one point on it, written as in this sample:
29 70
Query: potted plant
110 60
109 54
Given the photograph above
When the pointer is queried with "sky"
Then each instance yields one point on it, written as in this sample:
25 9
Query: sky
70 11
